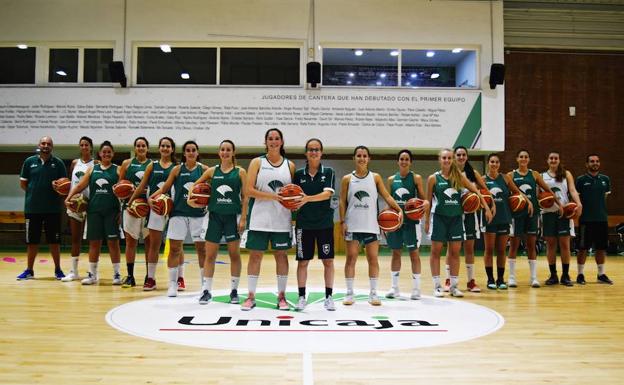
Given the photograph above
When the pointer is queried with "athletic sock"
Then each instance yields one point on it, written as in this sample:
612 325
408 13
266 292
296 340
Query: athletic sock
373 284
533 268
173 274
448 271
130 267
580 268
234 282
500 272
470 271
436 281
454 280
201 276
566 269
207 285
489 270
302 291
395 279
282 280
151 269
601 269
416 281
115 268
252 282
349 282
74 260
328 292
553 269
512 267
181 270
93 268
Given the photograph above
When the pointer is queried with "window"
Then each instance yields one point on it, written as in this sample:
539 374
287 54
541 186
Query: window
168 65
96 62
438 68
63 65
260 66
360 67
17 65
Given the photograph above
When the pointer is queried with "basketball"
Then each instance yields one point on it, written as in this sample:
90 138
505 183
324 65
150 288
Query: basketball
389 220
415 209
162 204
569 210
290 194
78 203
470 202
123 189
487 196
201 194
517 202
545 199
62 186
139 208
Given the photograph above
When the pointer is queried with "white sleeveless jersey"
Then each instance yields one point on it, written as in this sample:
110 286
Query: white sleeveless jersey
361 216
559 188
80 168
270 215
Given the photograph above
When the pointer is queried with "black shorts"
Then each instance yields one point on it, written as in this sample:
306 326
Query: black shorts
306 239
51 223
593 234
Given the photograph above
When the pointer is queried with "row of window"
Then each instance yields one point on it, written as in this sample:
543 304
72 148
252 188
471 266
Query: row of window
248 66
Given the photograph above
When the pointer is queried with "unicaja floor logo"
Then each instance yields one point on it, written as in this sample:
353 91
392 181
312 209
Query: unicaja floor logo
398 324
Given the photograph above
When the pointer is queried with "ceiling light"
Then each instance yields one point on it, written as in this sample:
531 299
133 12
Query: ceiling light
349 82
358 52
382 75
185 75
22 46
394 53
351 74
408 83
413 76
166 48
378 83
457 50
435 75
61 73
430 54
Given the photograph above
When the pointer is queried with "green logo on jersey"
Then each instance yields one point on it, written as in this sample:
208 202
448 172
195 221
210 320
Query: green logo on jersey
275 185
360 195
80 174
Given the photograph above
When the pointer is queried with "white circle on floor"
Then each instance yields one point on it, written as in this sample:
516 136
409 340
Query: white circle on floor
397 324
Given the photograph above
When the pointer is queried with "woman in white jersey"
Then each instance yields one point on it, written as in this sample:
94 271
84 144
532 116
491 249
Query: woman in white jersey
267 219
556 228
77 220
359 191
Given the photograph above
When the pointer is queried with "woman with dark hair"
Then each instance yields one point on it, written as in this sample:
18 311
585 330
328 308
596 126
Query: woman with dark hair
403 186
446 225
557 229
102 212
77 170
358 215
156 173
133 170
267 220
184 219
523 223
226 219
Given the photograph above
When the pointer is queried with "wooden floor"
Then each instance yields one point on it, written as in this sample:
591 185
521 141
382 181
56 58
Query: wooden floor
55 333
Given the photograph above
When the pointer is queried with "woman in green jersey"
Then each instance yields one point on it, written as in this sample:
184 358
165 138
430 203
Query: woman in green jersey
227 217
102 212
156 173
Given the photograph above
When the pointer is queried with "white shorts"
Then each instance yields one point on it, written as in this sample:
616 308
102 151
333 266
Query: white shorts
156 222
134 226
180 226
80 217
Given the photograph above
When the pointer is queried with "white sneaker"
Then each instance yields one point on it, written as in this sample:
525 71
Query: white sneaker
116 279
301 304
373 299
173 289
394 293
90 280
348 299
455 292
329 304
70 277
535 283
512 281
415 294
437 292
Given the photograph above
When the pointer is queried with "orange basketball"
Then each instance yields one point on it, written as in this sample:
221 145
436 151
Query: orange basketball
517 202
78 203
139 208
569 210
290 194
123 189
487 196
415 208
470 202
201 194
545 199
162 204
62 186
389 220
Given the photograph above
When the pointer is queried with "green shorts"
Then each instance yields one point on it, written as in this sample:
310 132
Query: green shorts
362 238
406 235
553 226
471 227
222 226
447 229
103 226
524 225
259 240
498 229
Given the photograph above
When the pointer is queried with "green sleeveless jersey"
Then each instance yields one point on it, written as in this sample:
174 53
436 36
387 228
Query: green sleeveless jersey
446 200
528 185
226 192
158 176
500 193
403 189
101 197
135 171
182 185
